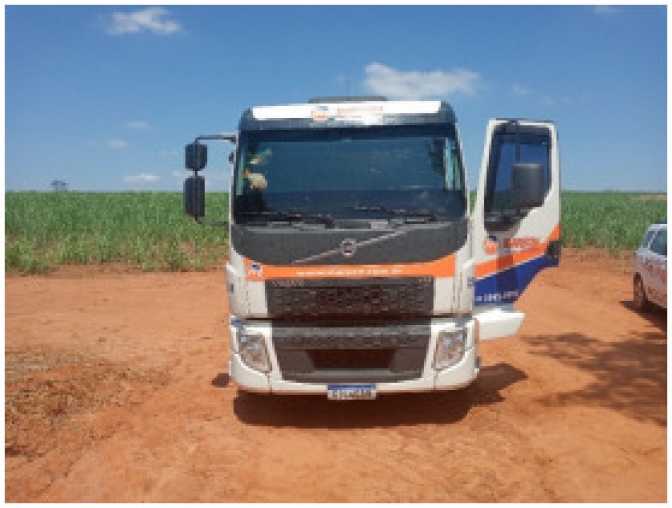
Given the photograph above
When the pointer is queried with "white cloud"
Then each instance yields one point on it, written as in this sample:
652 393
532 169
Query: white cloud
518 89
141 178
414 85
152 19
116 144
137 125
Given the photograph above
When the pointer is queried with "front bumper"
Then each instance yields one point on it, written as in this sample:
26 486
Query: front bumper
428 378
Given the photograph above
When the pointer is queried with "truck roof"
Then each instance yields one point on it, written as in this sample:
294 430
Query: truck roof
346 112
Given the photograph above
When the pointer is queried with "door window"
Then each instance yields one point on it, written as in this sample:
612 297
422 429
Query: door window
659 244
647 238
511 143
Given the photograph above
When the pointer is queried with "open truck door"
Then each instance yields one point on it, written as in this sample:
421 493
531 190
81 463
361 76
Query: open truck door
516 219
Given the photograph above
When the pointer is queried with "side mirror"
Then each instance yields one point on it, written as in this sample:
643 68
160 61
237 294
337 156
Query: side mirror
528 189
194 196
195 156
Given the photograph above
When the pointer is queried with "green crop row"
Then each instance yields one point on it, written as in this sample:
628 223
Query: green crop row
150 230
609 220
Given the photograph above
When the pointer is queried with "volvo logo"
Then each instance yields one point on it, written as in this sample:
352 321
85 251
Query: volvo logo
348 247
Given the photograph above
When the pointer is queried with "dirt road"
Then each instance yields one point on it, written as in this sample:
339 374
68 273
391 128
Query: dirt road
117 390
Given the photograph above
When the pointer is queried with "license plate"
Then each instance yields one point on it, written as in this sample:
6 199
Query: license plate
351 392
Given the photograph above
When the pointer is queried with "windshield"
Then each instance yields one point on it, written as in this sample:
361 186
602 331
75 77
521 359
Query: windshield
349 173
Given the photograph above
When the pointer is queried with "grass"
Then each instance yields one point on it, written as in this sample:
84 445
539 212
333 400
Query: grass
609 220
150 230
147 230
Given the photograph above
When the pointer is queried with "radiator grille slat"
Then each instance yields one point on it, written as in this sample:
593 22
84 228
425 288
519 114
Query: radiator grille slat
345 298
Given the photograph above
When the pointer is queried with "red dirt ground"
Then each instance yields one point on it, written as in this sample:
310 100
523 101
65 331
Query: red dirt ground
116 390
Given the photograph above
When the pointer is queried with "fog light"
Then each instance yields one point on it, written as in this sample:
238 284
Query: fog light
253 351
450 348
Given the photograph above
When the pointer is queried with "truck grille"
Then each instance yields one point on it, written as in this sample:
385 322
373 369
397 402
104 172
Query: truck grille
331 354
350 298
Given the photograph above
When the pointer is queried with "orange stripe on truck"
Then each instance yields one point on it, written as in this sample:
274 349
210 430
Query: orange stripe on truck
515 258
444 267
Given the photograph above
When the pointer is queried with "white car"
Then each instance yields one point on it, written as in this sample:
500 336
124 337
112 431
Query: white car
650 274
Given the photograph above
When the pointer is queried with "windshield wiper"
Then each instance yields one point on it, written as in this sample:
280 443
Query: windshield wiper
410 215
291 217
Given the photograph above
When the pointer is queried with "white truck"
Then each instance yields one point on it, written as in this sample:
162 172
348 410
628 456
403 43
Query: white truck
357 266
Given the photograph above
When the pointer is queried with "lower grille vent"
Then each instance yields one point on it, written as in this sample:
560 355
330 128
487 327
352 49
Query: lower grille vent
379 353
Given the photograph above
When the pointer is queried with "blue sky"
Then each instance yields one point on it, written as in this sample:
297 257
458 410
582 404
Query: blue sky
105 97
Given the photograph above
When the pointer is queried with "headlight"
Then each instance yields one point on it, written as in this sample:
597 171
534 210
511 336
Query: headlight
253 351
450 347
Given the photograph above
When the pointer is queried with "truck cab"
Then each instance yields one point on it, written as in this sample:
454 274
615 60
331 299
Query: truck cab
356 265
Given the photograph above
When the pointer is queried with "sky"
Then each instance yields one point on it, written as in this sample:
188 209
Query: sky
105 97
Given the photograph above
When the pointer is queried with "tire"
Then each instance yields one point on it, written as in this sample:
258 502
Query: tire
639 299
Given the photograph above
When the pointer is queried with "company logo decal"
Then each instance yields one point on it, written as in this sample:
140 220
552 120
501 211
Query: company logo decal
323 112
359 111
320 113
492 245
255 271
